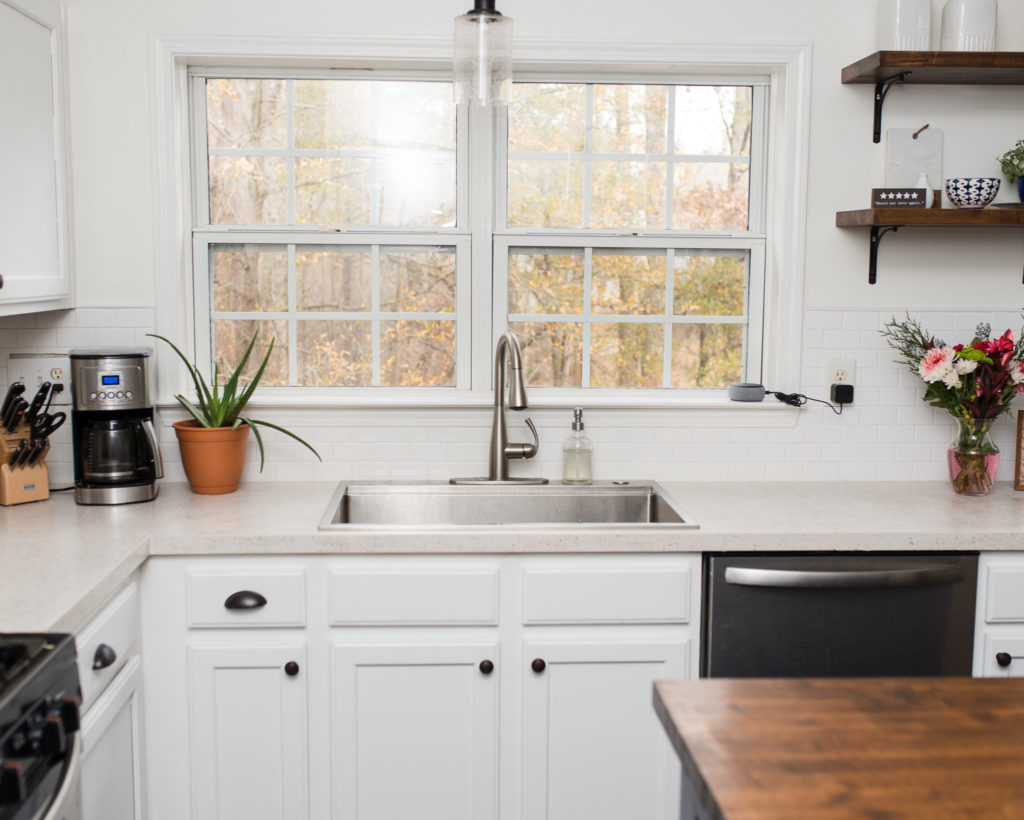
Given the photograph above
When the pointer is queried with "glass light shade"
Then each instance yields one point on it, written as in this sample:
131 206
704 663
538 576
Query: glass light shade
483 58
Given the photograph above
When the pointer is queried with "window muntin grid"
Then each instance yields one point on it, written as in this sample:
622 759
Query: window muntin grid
355 315
613 317
629 156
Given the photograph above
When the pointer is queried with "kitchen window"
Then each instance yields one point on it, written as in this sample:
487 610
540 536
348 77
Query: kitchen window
384 238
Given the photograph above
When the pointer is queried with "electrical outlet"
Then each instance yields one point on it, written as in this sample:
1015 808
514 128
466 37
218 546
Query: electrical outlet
840 371
32 369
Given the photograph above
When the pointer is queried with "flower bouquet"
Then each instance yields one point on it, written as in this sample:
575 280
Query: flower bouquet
974 383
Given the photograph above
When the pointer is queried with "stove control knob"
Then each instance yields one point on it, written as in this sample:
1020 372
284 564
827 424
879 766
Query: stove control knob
12 784
70 715
48 738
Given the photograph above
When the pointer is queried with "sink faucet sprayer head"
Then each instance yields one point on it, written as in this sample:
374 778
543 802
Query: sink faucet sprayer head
517 385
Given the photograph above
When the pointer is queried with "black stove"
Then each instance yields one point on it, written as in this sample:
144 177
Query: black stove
40 698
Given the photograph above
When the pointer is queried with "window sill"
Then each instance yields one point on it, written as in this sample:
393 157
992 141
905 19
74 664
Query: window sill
321 407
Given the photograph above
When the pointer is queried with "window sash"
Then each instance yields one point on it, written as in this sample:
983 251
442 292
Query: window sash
203 241
752 308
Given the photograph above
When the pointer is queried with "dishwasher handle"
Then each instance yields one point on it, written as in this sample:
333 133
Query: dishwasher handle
844 579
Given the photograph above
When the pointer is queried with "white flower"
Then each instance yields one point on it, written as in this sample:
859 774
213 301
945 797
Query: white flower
951 380
965 366
936 363
1017 372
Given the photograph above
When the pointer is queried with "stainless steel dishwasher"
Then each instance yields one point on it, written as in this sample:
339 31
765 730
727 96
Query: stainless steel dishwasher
838 614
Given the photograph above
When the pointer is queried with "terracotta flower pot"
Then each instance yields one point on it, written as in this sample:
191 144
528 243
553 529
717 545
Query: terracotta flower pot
213 457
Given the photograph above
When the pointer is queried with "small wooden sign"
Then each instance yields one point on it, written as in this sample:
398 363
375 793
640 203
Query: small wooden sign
898 197
1018 466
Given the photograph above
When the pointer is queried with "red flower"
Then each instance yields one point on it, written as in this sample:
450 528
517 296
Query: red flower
1001 345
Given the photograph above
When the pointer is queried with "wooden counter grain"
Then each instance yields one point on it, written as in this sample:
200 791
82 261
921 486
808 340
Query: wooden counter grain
872 748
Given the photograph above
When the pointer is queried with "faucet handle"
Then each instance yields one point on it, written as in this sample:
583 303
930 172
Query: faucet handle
525 450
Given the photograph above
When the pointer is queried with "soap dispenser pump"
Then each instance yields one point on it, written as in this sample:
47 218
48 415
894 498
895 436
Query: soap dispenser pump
576 453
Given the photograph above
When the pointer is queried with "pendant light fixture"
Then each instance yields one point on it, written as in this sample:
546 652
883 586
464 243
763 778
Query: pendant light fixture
483 55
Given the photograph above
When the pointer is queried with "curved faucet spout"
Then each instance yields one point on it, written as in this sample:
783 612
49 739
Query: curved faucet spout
507 355
508 350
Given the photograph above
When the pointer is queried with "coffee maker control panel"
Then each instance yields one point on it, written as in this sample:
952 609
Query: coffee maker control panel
109 383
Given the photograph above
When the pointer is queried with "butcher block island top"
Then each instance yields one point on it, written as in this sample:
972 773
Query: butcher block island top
872 748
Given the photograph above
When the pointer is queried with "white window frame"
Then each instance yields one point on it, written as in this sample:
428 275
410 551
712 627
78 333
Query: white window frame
785 66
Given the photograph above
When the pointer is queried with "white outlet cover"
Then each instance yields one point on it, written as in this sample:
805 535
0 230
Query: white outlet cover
848 366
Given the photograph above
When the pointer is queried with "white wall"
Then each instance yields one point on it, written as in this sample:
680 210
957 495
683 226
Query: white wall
959 277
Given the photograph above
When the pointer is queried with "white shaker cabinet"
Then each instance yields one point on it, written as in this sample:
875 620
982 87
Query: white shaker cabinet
247 722
592 744
110 671
414 687
413 693
34 246
414 730
597 634
999 626
111 738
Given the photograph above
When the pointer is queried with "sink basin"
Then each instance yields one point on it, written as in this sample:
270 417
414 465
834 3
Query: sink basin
632 504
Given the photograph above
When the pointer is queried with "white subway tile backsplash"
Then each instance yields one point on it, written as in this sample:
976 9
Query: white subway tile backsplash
94 317
888 434
862 320
823 320
69 337
36 338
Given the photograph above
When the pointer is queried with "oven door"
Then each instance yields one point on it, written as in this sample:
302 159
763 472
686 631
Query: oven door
67 805
56 796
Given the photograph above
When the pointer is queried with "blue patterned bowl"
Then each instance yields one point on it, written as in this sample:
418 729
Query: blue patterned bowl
972 192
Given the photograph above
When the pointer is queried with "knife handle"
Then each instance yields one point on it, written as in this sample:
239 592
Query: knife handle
23 458
13 392
37 402
16 454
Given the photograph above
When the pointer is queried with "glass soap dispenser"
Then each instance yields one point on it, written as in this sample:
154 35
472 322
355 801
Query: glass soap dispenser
576 453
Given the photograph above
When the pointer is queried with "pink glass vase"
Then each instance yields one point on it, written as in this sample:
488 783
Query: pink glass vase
973 457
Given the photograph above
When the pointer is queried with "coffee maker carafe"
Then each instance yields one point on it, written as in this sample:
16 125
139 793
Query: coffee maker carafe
117 458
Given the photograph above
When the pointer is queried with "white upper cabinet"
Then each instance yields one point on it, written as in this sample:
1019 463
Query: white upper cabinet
34 248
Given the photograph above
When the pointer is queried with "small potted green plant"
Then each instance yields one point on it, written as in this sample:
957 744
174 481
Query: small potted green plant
213 441
1012 163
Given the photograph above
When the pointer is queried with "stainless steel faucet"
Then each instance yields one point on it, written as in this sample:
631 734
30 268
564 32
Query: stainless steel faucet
507 354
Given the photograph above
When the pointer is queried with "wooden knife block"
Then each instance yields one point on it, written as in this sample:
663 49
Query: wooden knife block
19 485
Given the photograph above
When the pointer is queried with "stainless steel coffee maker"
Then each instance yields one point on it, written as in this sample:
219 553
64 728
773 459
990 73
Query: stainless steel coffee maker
117 458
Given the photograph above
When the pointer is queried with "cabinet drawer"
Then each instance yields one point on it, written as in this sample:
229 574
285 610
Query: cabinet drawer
1009 649
257 598
607 595
107 642
1005 597
412 597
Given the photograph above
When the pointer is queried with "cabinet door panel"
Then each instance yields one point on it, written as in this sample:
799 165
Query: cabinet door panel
592 744
111 770
414 731
248 727
31 157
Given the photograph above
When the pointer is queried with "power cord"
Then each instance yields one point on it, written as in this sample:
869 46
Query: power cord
799 400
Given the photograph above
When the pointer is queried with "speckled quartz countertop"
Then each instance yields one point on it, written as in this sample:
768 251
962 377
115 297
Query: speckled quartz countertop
59 562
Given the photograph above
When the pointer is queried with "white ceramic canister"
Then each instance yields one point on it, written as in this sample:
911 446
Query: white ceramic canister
969 25
904 25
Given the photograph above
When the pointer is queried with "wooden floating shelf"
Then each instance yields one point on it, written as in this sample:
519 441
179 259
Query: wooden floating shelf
883 220
885 69
940 217
939 68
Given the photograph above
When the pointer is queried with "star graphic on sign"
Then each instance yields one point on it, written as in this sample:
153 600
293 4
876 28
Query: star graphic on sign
913 196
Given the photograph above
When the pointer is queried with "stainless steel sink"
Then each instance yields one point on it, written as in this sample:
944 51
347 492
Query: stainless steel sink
628 504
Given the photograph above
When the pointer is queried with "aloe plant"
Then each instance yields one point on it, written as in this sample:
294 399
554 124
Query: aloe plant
215 407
